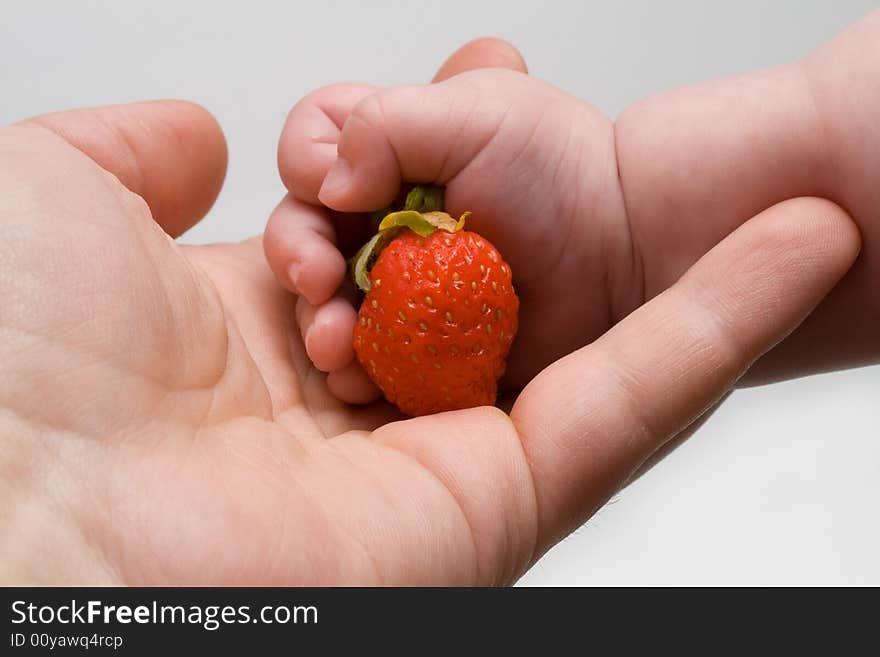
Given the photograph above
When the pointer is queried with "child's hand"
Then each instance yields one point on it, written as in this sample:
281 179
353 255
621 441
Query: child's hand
594 218
533 164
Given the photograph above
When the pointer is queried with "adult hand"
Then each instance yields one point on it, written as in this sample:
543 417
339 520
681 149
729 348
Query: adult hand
161 422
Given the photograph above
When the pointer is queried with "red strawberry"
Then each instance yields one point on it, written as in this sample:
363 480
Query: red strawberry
439 315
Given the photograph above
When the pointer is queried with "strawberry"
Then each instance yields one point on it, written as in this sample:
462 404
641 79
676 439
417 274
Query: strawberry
439 314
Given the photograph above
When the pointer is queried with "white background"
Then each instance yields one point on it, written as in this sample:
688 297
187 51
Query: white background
781 485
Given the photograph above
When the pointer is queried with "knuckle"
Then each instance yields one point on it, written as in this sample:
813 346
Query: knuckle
715 337
370 111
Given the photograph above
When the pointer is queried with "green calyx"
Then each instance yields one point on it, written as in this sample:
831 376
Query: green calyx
422 213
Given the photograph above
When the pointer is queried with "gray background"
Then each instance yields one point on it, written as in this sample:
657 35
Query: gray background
781 485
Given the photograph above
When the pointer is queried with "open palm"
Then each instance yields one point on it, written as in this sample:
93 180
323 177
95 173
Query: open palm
191 439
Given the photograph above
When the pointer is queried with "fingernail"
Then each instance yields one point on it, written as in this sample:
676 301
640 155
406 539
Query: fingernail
337 179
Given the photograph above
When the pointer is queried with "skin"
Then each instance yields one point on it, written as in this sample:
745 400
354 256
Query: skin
595 217
161 421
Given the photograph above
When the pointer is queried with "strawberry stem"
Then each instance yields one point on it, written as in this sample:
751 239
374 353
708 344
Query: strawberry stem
425 198
422 213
